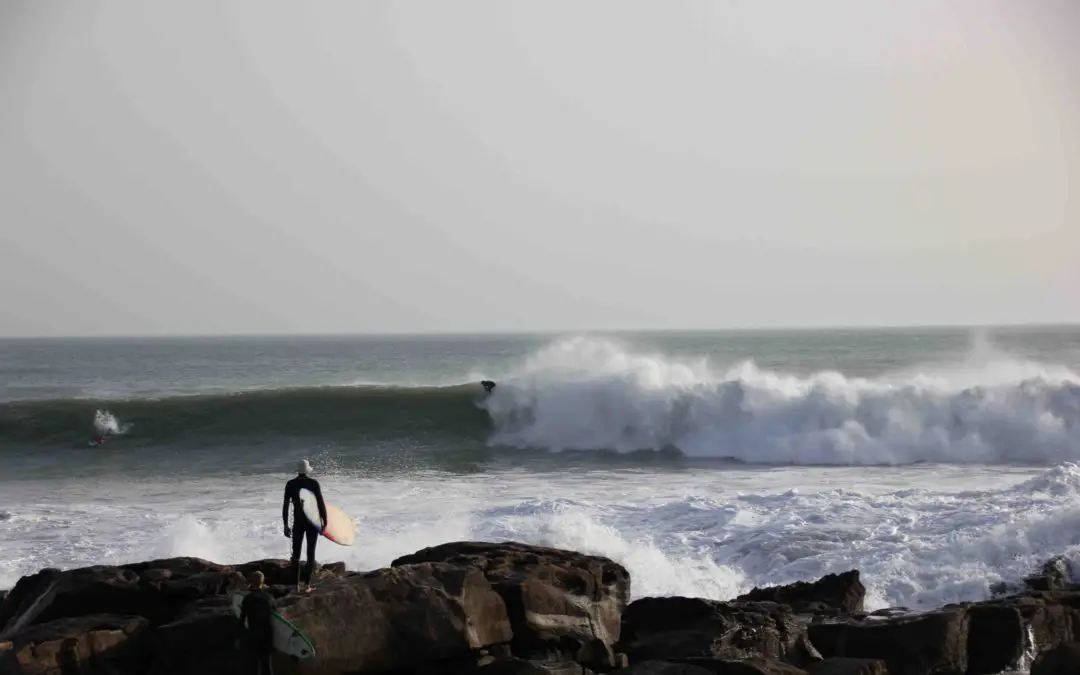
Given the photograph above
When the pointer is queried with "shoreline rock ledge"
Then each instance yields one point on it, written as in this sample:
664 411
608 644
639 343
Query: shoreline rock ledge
477 608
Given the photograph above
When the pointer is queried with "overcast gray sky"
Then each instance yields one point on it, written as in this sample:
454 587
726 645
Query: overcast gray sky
271 166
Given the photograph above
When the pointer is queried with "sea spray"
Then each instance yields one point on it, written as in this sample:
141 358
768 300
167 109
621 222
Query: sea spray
588 394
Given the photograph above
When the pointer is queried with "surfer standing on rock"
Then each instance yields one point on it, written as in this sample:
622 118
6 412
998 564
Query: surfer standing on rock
302 526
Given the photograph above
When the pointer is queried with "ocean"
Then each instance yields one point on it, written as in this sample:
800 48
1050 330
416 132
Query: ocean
936 461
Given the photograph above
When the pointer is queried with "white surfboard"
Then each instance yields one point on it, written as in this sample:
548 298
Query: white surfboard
287 637
339 527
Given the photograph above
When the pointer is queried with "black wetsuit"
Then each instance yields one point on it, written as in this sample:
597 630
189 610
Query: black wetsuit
302 527
257 609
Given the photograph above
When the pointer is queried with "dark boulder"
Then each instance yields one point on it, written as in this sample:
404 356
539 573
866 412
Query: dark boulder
154 577
176 567
101 644
157 590
933 643
561 604
826 636
711 666
398 618
1056 574
654 667
278 572
26 591
81 592
677 628
996 637
516 666
1004 632
752 666
153 590
842 666
891 612
1064 659
841 592
201 640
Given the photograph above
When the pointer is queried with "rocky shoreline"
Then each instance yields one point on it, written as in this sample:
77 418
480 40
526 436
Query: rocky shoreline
512 609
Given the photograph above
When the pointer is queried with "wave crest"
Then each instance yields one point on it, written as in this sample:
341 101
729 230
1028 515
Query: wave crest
589 394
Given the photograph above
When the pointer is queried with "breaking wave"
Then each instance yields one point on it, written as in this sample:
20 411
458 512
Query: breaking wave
588 394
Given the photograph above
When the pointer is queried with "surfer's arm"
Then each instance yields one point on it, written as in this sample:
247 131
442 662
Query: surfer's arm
322 504
285 510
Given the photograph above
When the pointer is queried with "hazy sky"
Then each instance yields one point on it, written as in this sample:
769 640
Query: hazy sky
271 166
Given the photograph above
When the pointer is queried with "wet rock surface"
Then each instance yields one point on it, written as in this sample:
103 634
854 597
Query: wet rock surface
477 608
844 593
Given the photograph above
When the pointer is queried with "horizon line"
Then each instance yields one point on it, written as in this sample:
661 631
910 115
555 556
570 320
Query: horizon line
538 332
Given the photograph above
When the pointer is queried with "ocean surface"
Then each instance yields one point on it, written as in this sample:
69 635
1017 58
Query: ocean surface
936 461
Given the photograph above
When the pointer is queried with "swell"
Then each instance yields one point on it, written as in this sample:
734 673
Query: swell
330 413
592 395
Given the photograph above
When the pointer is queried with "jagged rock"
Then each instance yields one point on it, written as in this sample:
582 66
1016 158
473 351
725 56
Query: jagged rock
157 590
26 590
176 567
932 643
891 612
81 592
996 636
279 572
825 636
1002 632
1056 574
201 640
515 666
1002 588
155 577
753 666
561 604
653 667
398 618
678 628
1064 659
88 644
842 666
1054 620
842 592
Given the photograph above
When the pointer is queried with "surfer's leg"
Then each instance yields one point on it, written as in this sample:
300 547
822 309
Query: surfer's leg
297 540
312 540
265 666
251 654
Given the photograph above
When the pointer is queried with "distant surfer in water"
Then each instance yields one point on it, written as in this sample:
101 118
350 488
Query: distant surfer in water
257 609
488 385
302 527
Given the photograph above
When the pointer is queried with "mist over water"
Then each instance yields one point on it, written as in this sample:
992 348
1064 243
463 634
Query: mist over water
936 462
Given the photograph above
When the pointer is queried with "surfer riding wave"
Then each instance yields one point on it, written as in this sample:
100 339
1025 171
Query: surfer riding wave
105 426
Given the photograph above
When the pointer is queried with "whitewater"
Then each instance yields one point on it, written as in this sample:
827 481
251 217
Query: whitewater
584 394
938 464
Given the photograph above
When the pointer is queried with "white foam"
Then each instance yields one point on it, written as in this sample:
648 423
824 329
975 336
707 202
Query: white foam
106 423
920 535
586 394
